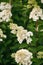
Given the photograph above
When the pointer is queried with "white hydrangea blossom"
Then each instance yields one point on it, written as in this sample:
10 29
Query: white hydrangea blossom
41 1
23 56
5 13
36 13
2 35
21 33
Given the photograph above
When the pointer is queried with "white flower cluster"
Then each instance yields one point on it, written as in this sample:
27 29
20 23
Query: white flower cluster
36 13
5 12
21 33
41 1
23 56
40 54
2 35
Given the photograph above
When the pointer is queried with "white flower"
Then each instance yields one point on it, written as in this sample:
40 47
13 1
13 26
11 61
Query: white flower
21 33
5 13
23 56
20 28
2 35
36 13
13 31
35 18
41 1
4 5
40 54
29 40
29 33
14 28
8 6
20 40
24 35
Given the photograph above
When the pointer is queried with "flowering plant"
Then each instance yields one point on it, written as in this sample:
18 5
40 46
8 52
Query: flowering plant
21 32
